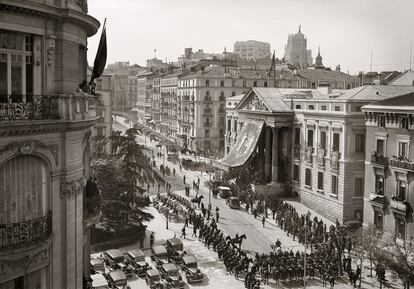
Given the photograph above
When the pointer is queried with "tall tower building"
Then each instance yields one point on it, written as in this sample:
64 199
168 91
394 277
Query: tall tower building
296 52
45 124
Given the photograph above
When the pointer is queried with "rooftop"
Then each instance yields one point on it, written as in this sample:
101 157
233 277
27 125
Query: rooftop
401 102
370 93
325 75
407 78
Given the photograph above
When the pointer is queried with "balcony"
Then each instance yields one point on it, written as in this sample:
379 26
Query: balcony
335 160
207 111
25 233
377 199
308 154
379 159
320 157
77 106
402 163
207 98
398 206
296 152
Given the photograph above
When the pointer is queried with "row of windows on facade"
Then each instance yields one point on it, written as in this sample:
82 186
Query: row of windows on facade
359 181
359 140
234 83
402 150
402 120
186 95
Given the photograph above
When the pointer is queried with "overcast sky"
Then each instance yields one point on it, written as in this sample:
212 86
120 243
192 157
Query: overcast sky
345 30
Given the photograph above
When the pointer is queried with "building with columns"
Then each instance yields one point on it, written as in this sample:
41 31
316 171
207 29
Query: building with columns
389 166
45 127
308 142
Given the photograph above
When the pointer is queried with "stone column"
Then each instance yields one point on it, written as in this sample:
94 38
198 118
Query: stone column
268 151
275 155
261 154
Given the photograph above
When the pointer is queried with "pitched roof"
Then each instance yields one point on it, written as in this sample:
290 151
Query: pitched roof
272 98
325 75
375 92
401 102
407 78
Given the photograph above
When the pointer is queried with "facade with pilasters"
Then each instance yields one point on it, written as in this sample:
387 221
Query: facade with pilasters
45 125
312 144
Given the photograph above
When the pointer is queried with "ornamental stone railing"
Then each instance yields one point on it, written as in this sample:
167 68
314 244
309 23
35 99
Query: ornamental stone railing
335 160
320 157
77 106
308 154
24 233
296 152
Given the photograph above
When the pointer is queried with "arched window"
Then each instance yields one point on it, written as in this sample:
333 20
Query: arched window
23 189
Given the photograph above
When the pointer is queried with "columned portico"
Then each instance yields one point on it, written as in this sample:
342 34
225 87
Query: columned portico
268 151
275 154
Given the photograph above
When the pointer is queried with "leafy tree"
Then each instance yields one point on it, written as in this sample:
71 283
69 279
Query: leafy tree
120 178
398 256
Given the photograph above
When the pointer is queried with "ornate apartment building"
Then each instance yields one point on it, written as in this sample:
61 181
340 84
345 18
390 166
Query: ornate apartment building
168 104
45 126
311 142
389 166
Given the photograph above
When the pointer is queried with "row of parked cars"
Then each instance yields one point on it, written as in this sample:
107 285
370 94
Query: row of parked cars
113 268
168 260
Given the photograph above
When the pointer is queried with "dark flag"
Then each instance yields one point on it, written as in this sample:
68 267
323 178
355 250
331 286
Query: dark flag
100 59
273 64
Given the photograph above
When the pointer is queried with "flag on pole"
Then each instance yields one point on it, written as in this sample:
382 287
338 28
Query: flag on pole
100 58
273 64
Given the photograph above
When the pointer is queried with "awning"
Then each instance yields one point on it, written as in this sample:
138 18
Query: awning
245 144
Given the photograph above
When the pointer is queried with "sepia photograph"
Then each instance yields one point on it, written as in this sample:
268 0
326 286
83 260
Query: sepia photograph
206 144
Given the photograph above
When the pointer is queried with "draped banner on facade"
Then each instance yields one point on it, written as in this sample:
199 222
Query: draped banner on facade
245 145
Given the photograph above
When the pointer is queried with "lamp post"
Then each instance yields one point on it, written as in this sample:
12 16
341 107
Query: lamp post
166 219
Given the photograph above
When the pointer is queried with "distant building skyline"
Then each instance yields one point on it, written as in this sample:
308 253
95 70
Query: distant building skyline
347 31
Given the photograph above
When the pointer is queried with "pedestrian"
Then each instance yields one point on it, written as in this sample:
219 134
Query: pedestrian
263 221
247 207
159 185
255 213
173 171
152 239
332 280
186 222
198 180
194 231
183 179
183 232
358 273
217 216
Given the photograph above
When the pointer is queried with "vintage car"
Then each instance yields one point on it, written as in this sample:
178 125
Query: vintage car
97 266
233 202
98 281
175 249
116 260
136 259
192 272
159 255
171 277
153 279
118 280
224 192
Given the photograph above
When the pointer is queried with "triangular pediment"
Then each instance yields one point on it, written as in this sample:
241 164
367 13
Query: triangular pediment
253 102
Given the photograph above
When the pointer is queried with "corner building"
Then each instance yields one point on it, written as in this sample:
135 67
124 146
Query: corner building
45 125
389 166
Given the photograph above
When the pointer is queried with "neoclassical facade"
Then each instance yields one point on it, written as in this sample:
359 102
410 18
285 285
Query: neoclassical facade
45 126
313 144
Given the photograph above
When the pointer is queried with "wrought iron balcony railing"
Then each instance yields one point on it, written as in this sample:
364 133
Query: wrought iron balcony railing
24 233
379 159
75 106
402 163
398 206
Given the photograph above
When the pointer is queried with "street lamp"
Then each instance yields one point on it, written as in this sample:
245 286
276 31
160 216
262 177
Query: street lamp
166 220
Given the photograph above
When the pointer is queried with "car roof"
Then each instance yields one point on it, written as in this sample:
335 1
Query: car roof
153 272
170 267
175 241
136 253
96 261
159 249
189 259
114 253
224 188
98 280
117 275
234 198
